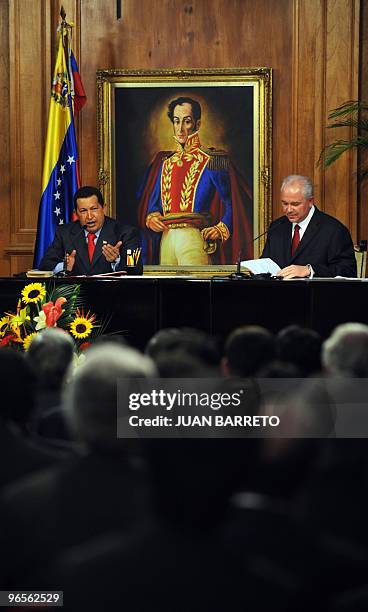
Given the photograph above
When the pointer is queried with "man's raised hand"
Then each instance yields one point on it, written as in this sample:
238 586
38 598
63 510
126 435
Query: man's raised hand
70 260
111 253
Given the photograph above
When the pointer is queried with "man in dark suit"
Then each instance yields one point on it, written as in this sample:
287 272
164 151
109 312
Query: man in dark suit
307 242
105 488
95 244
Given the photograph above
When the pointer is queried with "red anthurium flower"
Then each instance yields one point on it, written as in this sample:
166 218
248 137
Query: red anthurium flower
8 339
84 346
53 312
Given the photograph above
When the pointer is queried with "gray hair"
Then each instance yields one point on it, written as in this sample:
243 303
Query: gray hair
90 400
345 352
307 185
49 356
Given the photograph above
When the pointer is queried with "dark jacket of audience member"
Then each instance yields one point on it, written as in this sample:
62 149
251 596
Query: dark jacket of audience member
102 490
19 454
49 356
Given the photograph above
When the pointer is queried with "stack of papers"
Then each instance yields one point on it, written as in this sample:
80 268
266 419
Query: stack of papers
261 266
39 273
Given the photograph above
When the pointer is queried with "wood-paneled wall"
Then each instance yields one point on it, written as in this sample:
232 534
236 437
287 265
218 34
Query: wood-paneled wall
313 47
5 200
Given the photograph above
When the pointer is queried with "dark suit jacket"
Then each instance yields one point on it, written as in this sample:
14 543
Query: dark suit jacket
326 245
21 456
69 504
71 236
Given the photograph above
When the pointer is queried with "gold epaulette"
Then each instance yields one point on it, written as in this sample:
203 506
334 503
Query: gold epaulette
166 154
219 159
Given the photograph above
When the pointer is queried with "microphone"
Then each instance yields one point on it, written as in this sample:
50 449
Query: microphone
238 275
84 228
64 271
276 224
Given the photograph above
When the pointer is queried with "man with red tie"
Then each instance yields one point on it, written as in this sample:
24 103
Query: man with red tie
95 243
307 242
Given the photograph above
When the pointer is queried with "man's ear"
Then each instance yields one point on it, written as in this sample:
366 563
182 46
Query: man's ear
197 125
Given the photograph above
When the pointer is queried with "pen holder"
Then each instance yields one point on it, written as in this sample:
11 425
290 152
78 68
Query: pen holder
129 258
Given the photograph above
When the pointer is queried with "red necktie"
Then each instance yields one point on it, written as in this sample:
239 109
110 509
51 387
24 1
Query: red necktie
296 240
91 245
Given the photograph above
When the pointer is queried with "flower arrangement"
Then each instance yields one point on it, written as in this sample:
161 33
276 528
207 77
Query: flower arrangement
39 308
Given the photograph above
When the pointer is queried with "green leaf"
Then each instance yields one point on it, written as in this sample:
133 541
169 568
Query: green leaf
350 107
351 123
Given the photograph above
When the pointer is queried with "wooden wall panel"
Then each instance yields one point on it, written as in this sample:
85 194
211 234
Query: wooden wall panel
4 138
29 49
307 90
312 46
342 38
326 43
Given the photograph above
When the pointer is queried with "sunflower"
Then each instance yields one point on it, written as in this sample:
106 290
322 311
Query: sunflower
4 324
33 293
82 325
28 339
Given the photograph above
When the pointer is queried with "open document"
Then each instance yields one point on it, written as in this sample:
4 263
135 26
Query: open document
261 266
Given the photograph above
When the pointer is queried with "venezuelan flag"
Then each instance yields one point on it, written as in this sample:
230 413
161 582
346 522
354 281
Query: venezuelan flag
60 178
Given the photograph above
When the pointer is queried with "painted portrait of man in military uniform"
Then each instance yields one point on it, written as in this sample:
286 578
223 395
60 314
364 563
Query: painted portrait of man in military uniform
193 197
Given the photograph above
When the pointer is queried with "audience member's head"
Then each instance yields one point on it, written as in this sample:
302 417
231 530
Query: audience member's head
165 340
279 369
288 458
49 356
301 347
345 352
248 349
116 339
91 397
179 364
17 384
187 340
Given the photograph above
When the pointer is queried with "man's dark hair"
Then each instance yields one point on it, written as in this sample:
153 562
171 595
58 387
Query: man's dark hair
248 349
196 108
190 341
301 347
86 192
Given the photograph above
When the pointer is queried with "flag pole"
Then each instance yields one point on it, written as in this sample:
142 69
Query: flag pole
60 177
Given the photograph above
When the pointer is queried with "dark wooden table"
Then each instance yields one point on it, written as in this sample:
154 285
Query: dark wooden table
139 306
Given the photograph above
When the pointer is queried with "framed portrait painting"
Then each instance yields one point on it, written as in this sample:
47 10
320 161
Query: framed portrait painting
186 156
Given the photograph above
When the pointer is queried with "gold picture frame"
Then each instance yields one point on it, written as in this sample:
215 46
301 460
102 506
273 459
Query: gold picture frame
132 125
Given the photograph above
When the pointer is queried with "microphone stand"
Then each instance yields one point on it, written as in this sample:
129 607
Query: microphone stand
238 275
64 271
